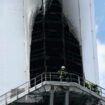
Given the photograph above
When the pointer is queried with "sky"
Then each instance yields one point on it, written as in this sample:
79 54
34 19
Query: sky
100 34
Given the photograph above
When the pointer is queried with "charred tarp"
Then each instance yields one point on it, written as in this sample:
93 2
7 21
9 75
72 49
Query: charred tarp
53 44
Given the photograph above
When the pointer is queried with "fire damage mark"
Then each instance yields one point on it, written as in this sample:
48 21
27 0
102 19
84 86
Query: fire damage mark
53 44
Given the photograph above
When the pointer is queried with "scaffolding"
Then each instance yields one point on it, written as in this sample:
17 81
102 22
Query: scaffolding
53 44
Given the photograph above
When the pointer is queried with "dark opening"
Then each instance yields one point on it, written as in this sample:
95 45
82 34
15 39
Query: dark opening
53 45
59 98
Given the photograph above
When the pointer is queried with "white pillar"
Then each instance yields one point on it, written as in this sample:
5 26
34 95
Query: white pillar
51 97
67 98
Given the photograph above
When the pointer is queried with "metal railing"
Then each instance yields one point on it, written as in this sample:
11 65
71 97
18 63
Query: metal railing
24 89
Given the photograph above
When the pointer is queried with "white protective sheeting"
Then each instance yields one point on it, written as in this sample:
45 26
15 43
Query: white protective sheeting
12 45
81 15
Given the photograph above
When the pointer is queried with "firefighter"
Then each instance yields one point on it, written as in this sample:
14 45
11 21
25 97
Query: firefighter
62 73
97 89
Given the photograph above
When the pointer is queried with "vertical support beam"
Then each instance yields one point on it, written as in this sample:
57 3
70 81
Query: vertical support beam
52 97
43 6
67 98
63 35
6 99
79 82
